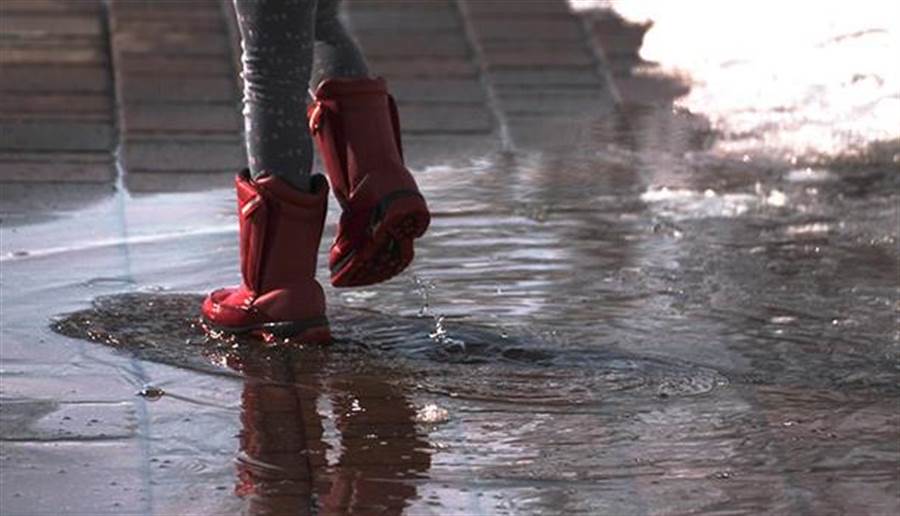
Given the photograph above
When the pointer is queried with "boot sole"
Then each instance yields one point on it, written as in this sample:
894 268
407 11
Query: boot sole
313 331
404 218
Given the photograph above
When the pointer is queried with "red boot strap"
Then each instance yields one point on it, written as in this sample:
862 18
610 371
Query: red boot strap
252 212
253 282
327 133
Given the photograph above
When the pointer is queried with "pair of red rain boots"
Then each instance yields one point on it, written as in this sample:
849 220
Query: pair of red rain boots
355 126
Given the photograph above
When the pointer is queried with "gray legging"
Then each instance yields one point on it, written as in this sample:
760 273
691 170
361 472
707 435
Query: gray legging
280 39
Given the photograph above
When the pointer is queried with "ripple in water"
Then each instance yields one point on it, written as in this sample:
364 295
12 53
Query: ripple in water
491 365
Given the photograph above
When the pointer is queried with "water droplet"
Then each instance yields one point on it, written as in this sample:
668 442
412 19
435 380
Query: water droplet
782 319
151 393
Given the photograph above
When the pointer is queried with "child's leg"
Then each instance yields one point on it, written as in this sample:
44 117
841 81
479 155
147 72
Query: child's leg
277 42
357 128
336 53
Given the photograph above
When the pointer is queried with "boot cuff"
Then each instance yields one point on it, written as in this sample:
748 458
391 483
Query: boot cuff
284 192
339 87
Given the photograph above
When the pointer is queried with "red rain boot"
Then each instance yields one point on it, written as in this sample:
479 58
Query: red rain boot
356 128
280 229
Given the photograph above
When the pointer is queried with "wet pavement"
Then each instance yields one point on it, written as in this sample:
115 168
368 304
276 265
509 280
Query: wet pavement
618 310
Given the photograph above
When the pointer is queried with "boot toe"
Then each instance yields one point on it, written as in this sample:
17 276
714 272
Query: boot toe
222 308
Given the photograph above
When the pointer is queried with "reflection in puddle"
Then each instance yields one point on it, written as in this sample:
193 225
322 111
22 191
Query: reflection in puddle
283 465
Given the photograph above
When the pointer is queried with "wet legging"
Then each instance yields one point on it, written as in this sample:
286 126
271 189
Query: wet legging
288 46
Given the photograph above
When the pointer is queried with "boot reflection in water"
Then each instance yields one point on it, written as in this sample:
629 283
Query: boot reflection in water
283 468
281 205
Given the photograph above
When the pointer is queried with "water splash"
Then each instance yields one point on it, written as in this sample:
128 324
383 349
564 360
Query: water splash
432 414
440 335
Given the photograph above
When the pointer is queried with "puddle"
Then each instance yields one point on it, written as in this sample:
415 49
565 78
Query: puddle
165 328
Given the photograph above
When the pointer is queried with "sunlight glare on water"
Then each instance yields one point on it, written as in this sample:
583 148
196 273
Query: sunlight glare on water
803 79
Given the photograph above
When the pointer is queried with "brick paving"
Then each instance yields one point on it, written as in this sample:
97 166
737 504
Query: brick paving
57 116
158 81
177 93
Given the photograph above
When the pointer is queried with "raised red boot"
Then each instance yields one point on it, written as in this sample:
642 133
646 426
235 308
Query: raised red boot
356 128
280 229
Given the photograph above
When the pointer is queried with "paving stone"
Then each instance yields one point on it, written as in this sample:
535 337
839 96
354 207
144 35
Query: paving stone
124 23
52 169
540 131
55 106
544 78
152 10
359 5
49 383
55 135
159 17
444 119
69 25
425 150
59 157
404 20
148 182
51 6
535 43
439 90
53 56
169 118
148 88
186 43
555 103
183 156
444 67
85 478
574 58
234 138
527 28
67 421
415 44
55 79
27 203
132 64
504 7
168 6
38 41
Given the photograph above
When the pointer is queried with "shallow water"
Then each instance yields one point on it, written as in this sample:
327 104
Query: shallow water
630 320
606 334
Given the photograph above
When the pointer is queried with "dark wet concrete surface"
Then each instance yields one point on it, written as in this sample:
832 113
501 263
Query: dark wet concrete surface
604 334
612 313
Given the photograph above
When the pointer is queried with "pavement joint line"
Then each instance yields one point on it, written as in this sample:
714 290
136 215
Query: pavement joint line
601 62
506 142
